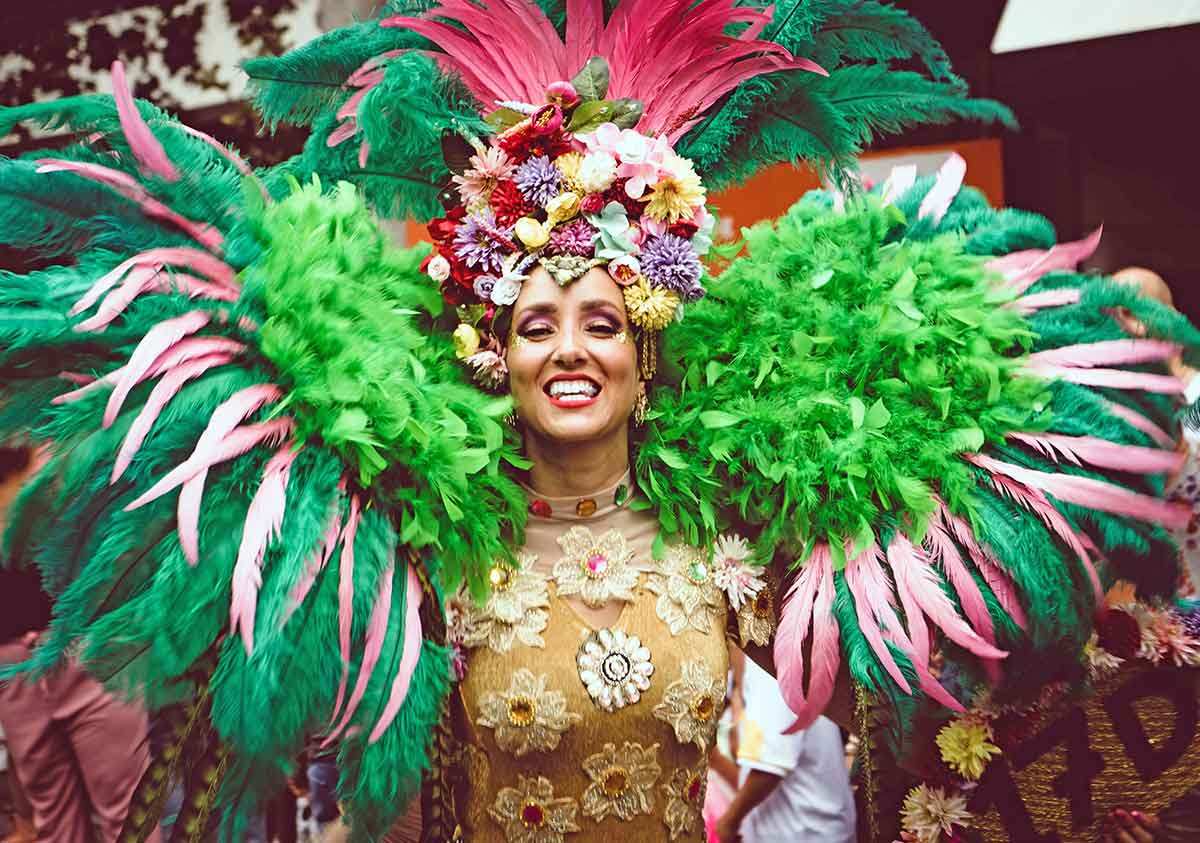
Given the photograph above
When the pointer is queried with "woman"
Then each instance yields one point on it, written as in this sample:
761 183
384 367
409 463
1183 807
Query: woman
316 504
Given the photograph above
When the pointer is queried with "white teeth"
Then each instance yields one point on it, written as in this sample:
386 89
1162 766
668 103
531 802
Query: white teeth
574 389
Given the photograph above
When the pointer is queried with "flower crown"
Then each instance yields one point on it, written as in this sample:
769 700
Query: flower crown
568 185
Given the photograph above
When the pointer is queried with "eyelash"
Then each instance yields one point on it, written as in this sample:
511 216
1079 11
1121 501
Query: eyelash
539 331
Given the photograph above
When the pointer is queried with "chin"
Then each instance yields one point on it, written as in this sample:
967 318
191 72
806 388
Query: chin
576 426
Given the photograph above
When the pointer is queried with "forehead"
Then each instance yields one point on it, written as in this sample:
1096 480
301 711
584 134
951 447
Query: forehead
540 291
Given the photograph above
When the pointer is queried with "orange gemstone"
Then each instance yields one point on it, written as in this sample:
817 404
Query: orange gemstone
614 782
586 508
702 707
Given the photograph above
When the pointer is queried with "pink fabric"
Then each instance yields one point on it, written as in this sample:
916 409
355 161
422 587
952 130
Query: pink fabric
77 750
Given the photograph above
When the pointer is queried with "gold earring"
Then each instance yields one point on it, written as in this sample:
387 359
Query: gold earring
641 405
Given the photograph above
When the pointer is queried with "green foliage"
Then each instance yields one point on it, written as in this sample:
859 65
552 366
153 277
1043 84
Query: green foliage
840 400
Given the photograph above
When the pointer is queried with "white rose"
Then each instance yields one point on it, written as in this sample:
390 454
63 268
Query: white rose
597 172
632 147
505 291
438 268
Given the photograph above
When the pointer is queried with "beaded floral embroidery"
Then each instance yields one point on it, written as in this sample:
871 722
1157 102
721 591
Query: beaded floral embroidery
528 716
692 704
529 813
516 610
684 794
622 781
596 569
756 619
615 668
687 596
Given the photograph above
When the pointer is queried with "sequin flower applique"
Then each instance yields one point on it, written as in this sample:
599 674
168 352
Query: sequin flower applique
622 781
528 716
687 596
684 792
692 704
529 813
615 668
598 570
516 610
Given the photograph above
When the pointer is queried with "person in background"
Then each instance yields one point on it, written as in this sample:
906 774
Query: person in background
78 750
791 787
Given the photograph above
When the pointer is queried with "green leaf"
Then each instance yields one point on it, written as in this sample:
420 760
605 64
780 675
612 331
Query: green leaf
717 418
589 115
626 112
878 416
503 118
473 460
909 309
713 370
858 412
591 83
672 459
764 369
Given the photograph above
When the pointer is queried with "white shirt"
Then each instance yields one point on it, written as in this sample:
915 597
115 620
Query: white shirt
813 803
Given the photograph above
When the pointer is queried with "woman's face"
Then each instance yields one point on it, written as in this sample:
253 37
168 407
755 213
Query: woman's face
571 359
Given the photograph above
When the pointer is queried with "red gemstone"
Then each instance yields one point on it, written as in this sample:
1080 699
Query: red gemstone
540 508
532 814
693 789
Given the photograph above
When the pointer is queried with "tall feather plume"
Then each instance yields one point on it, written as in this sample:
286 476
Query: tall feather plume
319 558
1109 378
346 599
943 551
1022 269
410 655
993 572
949 181
157 340
1033 302
825 657
372 647
264 520
1108 353
150 155
792 633
1102 453
1140 422
870 593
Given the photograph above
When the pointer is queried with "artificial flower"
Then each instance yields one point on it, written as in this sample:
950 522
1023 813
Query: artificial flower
650 308
929 812
625 270
547 120
597 569
613 227
622 781
509 204
966 747
438 268
706 225
1118 632
488 368
538 180
532 233
487 168
578 238
671 262
443 229
1100 662
466 341
687 597
528 716
562 207
633 207
1164 639
530 813
593 203
481 242
677 192
597 172
568 167
516 609
562 94
484 285
684 793
615 668
733 573
523 142
692 704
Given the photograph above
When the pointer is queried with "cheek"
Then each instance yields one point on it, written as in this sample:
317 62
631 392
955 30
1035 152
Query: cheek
619 361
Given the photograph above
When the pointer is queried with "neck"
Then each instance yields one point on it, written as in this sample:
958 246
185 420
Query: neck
580 468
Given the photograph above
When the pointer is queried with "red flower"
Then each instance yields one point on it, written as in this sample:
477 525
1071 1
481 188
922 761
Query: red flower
616 193
1118 632
443 228
509 204
593 203
525 143
684 228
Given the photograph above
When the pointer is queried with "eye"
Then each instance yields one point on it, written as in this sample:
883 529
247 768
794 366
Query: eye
536 331
603 328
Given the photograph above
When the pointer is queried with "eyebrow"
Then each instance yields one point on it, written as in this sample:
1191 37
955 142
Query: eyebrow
551 307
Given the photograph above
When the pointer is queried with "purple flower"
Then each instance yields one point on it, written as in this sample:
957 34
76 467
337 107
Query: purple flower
484 285
538 180
670 261
481 242
1189 616
578 237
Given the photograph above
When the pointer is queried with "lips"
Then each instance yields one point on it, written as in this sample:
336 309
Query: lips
570 391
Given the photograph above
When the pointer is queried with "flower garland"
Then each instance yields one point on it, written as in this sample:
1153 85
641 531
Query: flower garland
937 812
568 185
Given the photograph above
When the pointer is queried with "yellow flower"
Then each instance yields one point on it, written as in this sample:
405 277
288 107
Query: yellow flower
965 747
532 233
650 308
562 208
466 341
677 193
568 165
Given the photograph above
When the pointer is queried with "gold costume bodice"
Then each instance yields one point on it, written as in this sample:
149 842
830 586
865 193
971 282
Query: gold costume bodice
594 678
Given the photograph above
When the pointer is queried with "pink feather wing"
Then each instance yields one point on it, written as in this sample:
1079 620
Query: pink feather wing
150 155
372 647
1022 269
792 633
317 561
1102 453
1109 378
992 571
826 653
410 655
1139 422
1034 302
943 550
157 340
346 599
1108 353
866 603
945 188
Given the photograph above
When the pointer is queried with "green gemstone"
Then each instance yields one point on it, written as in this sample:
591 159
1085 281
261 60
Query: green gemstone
697 572
621 495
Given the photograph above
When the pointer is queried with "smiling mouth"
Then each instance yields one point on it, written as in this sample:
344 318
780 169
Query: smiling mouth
572 392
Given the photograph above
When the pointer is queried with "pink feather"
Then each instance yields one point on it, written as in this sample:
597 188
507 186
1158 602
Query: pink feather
1022 269
158 339
346 599
1108 353
1093 494
372 647
1033 302
1110 378
866 599
945 188
129 188
934 690
917 577
77 378
826 652
943 551
792 633
150 155
318 560
1102 453
139 280
160 396
187 516
225 418
409 657
264 520
207 265
1139 422
992 571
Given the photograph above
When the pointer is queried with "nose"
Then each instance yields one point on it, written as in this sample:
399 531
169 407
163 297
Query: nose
570 353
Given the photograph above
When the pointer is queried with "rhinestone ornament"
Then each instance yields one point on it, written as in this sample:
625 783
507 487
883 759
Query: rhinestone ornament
615 668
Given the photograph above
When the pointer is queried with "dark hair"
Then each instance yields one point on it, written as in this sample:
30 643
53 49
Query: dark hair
14 459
